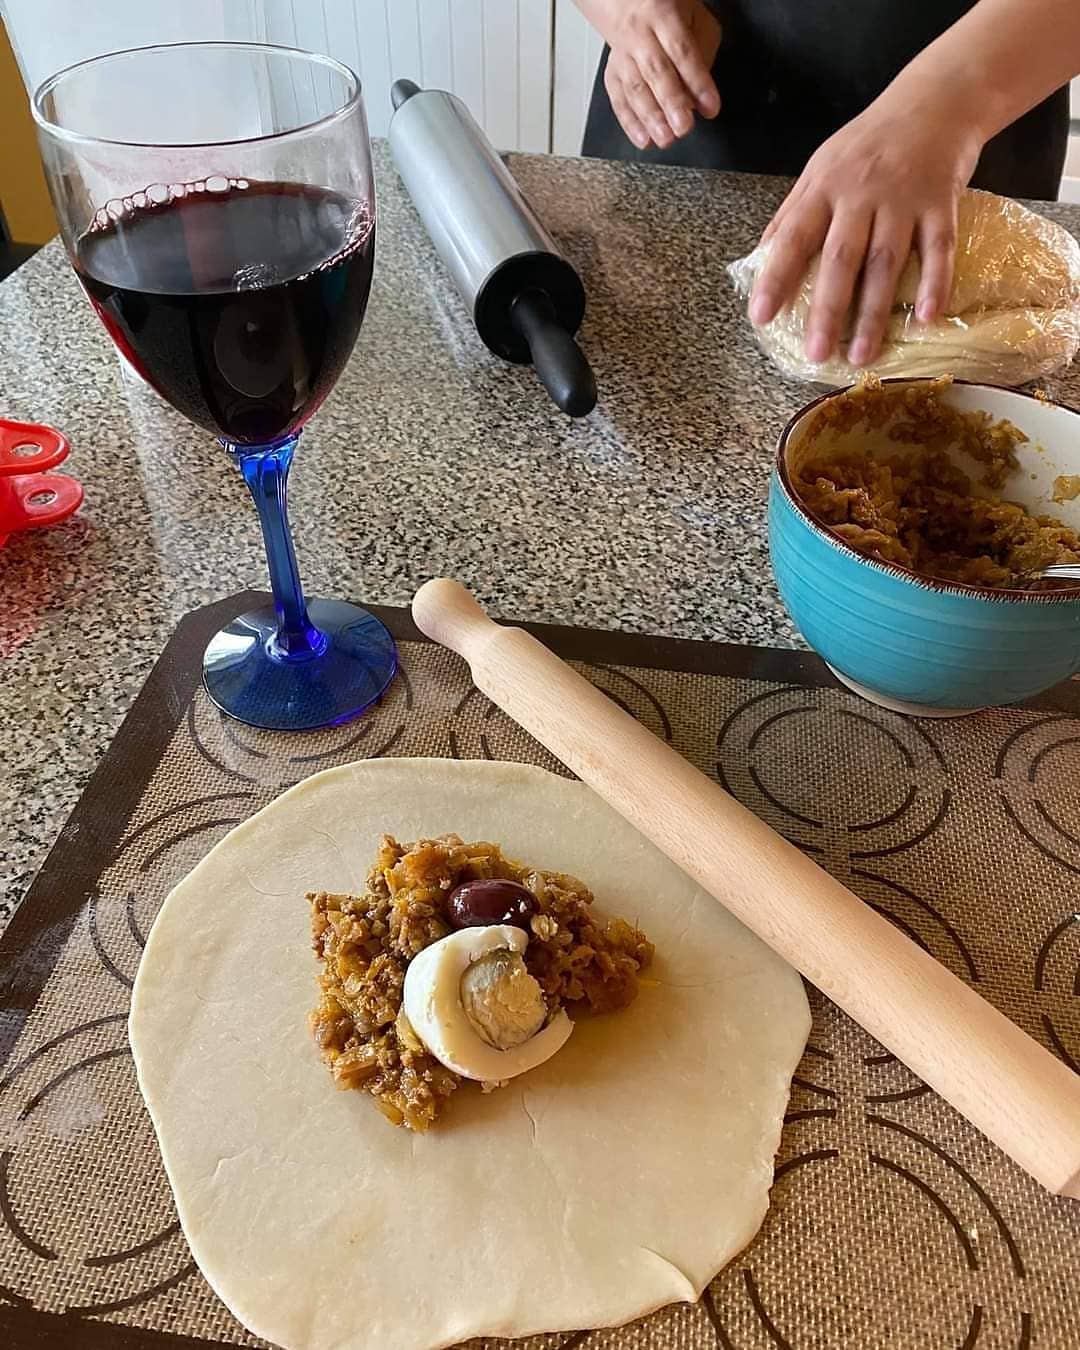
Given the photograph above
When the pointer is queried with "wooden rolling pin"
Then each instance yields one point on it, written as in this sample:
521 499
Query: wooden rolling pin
1005 1083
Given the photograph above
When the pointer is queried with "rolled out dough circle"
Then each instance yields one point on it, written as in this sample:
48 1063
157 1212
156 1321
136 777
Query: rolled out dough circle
616 1178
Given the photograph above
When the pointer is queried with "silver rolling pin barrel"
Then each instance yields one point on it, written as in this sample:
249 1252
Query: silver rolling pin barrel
526 300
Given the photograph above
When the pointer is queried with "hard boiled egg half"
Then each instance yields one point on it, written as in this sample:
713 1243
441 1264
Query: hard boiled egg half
473 1003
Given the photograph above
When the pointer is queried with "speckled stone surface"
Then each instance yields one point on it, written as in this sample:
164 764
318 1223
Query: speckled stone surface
431 457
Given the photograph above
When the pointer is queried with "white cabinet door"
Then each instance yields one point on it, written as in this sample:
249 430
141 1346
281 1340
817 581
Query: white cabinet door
577 52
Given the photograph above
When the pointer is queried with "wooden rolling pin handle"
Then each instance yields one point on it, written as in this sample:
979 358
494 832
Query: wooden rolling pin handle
451 616
1009 1086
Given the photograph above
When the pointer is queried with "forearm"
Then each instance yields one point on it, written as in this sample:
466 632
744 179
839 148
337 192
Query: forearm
1000 60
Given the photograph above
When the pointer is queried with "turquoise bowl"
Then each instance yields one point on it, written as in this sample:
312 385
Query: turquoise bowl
932 648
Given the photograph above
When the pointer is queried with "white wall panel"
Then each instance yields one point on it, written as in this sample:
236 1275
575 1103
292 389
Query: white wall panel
47 35
468 47
536 33
500 37
341 32
373 40
494 54
577 51
403 26
436 24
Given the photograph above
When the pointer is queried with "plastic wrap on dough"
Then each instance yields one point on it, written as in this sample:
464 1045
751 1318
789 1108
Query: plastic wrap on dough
1013 313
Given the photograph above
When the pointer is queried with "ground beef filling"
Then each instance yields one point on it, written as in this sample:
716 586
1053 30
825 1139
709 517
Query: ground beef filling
365 943
915 507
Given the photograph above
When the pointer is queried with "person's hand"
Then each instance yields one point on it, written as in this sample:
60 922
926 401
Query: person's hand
886 182
659 72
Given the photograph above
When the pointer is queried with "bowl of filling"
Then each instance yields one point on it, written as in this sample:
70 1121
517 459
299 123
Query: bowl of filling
909 523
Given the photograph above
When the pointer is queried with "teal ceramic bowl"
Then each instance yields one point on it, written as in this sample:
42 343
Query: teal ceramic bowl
919 645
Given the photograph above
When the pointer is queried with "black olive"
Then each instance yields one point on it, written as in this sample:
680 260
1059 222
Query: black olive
478 904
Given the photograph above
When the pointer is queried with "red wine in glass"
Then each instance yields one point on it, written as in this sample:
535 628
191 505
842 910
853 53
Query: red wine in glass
218 204
239 305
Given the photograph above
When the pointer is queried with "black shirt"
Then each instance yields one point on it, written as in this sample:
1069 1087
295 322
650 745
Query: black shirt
792 72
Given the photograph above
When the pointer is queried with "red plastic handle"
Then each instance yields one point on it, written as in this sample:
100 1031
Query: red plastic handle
28 448
29 496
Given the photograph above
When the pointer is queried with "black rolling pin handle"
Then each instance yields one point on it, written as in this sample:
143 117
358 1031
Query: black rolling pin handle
558 360
401 91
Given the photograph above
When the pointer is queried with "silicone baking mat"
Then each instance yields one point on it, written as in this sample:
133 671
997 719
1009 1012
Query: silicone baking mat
892 1224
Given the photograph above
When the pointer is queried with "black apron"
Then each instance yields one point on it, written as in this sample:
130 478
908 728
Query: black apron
792 72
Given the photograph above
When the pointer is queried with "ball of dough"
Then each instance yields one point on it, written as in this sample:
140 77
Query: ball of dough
1013 313
1001 346
1007 257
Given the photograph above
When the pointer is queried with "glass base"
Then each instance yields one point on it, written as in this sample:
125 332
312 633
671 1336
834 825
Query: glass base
246 682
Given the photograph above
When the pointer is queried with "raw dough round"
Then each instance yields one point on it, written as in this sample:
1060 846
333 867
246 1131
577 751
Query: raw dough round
619 1176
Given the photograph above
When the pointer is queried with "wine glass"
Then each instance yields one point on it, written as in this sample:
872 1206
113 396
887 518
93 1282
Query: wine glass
217 204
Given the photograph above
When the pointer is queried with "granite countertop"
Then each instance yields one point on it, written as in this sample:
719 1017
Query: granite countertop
431 457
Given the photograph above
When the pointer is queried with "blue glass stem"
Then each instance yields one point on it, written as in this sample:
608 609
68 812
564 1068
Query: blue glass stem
266 472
